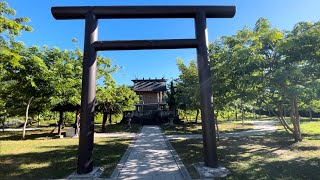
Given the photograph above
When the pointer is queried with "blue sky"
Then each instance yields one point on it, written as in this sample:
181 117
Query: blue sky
283 14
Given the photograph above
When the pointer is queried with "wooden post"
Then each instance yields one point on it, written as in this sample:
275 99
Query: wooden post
88 96
208 130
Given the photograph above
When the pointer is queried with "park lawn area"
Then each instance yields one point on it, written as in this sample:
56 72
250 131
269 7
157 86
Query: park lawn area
191 128
118 128
309 129
41 158
274 156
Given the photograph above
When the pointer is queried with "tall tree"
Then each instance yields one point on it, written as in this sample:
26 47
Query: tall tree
29 82
114 100
10 27
188 94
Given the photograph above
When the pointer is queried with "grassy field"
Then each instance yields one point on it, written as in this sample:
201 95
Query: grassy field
118 128
274 156
41 158
191 128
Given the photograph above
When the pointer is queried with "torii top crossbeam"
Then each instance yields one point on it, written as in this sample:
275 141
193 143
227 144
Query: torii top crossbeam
131 12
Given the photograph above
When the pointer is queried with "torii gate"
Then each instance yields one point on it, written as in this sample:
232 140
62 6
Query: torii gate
91 14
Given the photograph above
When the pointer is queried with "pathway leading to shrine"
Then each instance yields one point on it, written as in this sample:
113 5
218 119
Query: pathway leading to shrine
150 158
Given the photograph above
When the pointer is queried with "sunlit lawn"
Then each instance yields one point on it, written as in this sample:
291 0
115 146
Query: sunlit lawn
274 156
40 158
118 128
190 128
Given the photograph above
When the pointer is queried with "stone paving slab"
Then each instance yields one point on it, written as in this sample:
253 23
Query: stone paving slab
150 158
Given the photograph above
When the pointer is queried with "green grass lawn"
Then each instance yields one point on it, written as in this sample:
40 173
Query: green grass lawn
273 156
190 128
118 128
40 158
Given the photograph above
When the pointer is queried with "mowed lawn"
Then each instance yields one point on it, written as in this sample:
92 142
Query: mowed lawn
273 156
191 128
41 158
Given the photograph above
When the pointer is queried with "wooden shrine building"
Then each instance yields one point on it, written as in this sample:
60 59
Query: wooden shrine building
151 94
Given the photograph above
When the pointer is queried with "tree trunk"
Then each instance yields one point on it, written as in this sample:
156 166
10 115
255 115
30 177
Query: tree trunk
228 115
310 114
186 115
26 121
253 114
269 112
55 117
217 128
260 113
64 122
295 118
110 119
242 113
242 117
236 113
39 120
282 119
3 121
197 116
77 123
104 122
60 123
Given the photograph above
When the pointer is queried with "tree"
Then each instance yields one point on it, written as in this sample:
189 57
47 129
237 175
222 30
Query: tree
188 94
10 27
171 98
28 82
262 67
114 100
300 50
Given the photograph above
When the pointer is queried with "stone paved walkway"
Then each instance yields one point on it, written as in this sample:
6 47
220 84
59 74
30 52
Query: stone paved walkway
150 158
260 128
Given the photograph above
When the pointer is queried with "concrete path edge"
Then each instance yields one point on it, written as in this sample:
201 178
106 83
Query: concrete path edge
183 170
123 160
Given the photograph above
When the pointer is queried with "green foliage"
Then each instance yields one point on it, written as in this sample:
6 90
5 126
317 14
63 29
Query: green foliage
171 97
115 100
11 27
48 76
31 78
187 85
260 68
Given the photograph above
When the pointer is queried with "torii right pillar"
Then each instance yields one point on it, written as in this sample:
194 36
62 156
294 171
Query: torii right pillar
207 116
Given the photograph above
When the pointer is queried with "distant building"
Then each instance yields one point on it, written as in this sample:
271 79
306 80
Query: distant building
151 94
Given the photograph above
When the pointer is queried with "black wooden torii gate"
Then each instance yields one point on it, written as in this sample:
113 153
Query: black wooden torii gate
91 14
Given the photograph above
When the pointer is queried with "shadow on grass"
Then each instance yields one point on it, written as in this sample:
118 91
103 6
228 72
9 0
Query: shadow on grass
256 157
59 161
192 128
42 134
30 135
118 128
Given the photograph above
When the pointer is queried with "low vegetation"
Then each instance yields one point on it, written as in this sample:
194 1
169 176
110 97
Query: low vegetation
119 128
192 128
41 158
274 156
